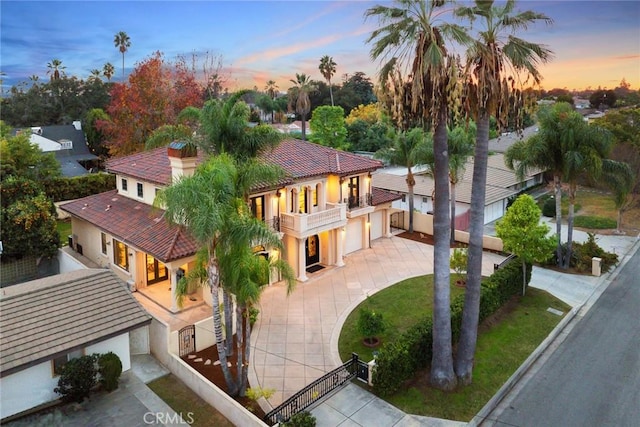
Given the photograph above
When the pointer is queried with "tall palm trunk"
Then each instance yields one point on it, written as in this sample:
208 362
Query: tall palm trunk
247 352
214 284
331 93
304 127
453 212
227 302
558 195
570 217
442 374
240 347
411 182
471 311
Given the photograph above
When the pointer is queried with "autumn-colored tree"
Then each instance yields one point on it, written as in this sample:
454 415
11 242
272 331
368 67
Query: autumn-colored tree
370 113
154 95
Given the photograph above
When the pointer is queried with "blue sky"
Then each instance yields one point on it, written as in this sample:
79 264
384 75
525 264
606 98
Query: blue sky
595 43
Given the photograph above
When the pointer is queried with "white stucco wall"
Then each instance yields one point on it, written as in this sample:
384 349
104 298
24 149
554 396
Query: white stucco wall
34 386
27 388
139 341
118 345
68 263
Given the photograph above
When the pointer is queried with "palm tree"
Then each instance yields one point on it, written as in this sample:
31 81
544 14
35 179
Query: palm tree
299 97
328 69
411 40
123 43
95 74
204 204
108 70
272 89
543 151
460 142
408 149
492 59
56 69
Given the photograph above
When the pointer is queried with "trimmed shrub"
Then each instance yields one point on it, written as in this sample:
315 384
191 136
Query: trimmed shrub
370 323
77 379
582 253
59 189
110 369
301 419
399 360
594 222
549 207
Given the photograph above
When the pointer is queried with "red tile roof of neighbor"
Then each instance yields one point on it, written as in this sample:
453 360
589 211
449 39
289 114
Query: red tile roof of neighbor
300 159
380 196
134 223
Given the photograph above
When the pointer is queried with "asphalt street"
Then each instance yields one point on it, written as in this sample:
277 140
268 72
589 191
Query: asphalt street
593 377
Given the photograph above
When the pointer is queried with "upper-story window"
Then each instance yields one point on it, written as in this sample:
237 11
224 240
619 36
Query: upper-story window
294 200
302 200
140 190
314 195
354 191
257 207
124 184
103 243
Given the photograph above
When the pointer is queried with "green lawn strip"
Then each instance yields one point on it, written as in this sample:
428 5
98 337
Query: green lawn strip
594 222
500 351
182 400
402 305
64 230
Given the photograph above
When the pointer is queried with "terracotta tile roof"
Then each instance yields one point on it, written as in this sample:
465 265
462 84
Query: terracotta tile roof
380 196
303 159
300 159
49 317
134 223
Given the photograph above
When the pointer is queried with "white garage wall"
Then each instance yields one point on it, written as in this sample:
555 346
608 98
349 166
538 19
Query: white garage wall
27 388
119 345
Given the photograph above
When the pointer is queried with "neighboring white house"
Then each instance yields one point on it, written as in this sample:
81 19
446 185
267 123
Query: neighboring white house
502 183
47 322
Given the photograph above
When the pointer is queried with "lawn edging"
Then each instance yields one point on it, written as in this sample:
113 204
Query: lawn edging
487 409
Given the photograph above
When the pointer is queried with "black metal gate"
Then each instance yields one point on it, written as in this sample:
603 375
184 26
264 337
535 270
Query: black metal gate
362 373
187 340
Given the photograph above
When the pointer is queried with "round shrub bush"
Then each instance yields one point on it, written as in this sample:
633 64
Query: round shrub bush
110 369
77 379
549 207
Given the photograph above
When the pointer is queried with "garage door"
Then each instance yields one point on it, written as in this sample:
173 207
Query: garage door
376 225
353 241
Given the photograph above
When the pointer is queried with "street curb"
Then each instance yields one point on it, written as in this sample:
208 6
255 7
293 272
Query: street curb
519 373
605 280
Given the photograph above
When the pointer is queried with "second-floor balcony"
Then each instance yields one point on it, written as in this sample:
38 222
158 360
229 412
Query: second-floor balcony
359 205
303 224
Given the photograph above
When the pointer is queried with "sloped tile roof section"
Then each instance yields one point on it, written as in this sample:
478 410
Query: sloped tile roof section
134 223
380 196
303 159
50 317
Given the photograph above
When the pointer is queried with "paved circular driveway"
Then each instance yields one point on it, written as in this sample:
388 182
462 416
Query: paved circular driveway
295 339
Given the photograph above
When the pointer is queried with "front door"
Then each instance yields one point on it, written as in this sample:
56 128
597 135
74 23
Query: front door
156 271
312 249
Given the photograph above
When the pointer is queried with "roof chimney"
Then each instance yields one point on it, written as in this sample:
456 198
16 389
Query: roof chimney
77 124
182 157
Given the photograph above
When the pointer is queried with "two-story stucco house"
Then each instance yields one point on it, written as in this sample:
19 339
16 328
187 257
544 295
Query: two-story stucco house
324 210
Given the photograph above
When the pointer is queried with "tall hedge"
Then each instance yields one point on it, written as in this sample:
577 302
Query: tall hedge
400 359
59 189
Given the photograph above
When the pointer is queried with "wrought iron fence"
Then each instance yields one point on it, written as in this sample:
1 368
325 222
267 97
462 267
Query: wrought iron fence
187 340
314 391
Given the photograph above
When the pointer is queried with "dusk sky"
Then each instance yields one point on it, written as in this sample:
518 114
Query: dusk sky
595 43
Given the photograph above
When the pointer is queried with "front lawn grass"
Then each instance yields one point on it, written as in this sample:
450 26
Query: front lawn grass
502 347
184 401
397 314
64 230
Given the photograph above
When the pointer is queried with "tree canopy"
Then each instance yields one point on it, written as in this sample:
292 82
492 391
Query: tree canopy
327 126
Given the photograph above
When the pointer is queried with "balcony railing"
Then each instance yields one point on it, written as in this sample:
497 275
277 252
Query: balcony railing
358 202
301 223
273 223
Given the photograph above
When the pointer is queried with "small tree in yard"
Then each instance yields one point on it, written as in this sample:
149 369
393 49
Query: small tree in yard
110 369
458 263
523 235
370 324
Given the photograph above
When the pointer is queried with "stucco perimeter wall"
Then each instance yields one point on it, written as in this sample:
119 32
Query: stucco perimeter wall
423 223
161 341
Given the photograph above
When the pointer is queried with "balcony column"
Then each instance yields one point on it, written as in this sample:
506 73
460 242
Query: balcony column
302 260
174 285
339 233
386 223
